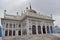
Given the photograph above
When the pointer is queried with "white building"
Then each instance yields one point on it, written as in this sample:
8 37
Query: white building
28 25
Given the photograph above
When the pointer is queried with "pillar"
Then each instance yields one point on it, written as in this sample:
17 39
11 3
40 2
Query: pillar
41 29
46 28
36 28
8 29
21 29
27 26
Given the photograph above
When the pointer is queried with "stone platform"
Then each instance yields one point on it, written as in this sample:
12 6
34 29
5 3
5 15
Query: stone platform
33 37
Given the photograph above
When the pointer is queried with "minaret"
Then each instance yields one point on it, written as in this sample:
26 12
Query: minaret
4 13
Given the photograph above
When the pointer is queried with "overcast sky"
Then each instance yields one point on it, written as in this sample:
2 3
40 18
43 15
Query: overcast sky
44 6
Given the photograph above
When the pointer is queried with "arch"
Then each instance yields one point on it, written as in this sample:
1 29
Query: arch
39 29
51 29
19 32
44 32
33 29
10 32
13 32
47 29
6 33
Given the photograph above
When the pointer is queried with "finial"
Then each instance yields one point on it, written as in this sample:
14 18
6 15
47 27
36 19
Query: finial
24 11
26 7
51 15
4 11
17 13
30 6
21 12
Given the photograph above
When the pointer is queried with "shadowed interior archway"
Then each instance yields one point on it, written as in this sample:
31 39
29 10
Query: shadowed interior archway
39 29
33 29
19 32
51 29
47 29
44 32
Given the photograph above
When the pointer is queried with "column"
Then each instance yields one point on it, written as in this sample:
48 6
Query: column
41 29
49 29
12 29
36 28
16 30
8 29
21 29
46 28
27 26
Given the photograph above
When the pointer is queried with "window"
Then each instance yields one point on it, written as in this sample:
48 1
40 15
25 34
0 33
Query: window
10 25
33 29
13 25
39 29
44 30
13 32
19 32
6 33
47 29
7 25
19 25
10 32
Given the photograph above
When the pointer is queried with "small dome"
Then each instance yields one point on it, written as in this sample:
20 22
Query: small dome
31 10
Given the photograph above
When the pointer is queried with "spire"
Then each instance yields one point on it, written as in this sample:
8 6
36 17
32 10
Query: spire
51 15
30 6
4 13
17 13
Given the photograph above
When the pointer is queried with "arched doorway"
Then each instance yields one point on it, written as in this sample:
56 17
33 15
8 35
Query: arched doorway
44 32
33 29
51 29
47 29
13 32
39 29
6 33
10 32
19 32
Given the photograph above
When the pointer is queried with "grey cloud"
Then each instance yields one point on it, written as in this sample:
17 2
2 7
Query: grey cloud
44 6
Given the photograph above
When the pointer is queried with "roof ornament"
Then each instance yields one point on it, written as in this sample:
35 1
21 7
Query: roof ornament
17 13
51 15
30 6
21 12
26 7
4 13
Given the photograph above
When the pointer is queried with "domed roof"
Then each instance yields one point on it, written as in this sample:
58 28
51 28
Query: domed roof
31 10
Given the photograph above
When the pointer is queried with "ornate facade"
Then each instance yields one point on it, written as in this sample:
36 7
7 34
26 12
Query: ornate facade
29 24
